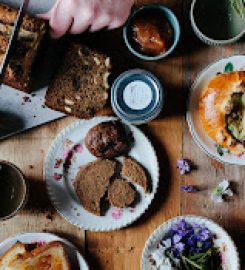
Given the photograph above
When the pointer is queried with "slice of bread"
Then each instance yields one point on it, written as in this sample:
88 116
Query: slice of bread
19 69
12 254
51 256
135 172
91 183
121 194
80 85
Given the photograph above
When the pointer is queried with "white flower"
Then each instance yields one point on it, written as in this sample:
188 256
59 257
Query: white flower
161 261
223 189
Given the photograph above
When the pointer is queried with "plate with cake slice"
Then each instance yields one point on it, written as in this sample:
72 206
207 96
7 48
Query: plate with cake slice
40 251
216 110
101 174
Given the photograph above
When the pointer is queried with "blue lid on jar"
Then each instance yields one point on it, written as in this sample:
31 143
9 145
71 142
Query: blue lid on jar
137 96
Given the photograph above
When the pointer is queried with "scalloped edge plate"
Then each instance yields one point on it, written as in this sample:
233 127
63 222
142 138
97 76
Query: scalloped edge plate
31 237
237 62
232 261
62 193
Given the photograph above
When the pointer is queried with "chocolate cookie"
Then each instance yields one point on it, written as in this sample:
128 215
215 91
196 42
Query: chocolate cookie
107 140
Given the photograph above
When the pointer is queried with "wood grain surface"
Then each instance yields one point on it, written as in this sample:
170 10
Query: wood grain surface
119 250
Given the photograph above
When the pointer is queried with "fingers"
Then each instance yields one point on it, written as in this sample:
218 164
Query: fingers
102 21
76 16
83 18
121 13
60 18
117 22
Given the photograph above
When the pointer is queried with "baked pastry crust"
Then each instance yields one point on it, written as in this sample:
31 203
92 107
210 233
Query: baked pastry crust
51 256
215 105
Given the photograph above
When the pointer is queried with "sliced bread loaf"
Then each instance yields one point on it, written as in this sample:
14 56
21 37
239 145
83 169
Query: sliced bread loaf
91 183
19 69
121 194
80 86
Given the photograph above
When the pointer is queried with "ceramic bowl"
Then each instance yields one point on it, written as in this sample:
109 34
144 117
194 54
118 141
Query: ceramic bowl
171 18
230 257
223 25
13 190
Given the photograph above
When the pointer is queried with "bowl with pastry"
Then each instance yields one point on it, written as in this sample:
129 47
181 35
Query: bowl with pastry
216 110
101 174
40 251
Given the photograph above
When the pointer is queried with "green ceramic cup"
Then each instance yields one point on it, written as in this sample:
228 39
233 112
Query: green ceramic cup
216 22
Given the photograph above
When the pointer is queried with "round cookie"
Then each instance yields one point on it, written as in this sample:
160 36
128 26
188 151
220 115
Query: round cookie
107 140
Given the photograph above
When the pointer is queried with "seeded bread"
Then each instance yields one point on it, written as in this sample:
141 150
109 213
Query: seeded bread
19 69
134 172
121 194
107 140
80 85
91 183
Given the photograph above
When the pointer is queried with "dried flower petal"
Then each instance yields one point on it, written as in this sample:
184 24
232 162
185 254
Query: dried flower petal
189 189
57 176
184 165
78 148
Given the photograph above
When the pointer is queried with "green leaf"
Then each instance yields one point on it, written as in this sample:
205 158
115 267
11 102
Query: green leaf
220 150
229 67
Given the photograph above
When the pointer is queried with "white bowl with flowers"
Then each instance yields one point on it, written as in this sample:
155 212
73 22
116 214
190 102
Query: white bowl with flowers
190 243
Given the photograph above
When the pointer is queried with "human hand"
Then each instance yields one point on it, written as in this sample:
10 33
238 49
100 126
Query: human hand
76 16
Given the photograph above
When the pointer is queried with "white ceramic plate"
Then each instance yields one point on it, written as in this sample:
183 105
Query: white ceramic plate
76 258
236 62
223 241
59 181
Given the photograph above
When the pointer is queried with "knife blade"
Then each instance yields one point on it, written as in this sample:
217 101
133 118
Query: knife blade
19 18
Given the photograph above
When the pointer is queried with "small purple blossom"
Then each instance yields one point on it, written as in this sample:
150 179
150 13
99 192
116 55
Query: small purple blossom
189 189
184 166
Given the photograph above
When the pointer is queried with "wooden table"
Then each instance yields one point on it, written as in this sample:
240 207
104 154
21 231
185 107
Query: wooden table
171 138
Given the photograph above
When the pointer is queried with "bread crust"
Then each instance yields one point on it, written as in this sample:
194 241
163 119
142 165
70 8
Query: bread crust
213 104
11 249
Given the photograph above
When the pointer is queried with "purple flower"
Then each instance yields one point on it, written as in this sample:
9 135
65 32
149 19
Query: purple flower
182 228
184 165
189 189
179 247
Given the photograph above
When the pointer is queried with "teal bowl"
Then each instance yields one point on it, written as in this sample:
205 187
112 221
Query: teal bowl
168 15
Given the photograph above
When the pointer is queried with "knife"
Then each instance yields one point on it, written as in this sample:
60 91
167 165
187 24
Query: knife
21 12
